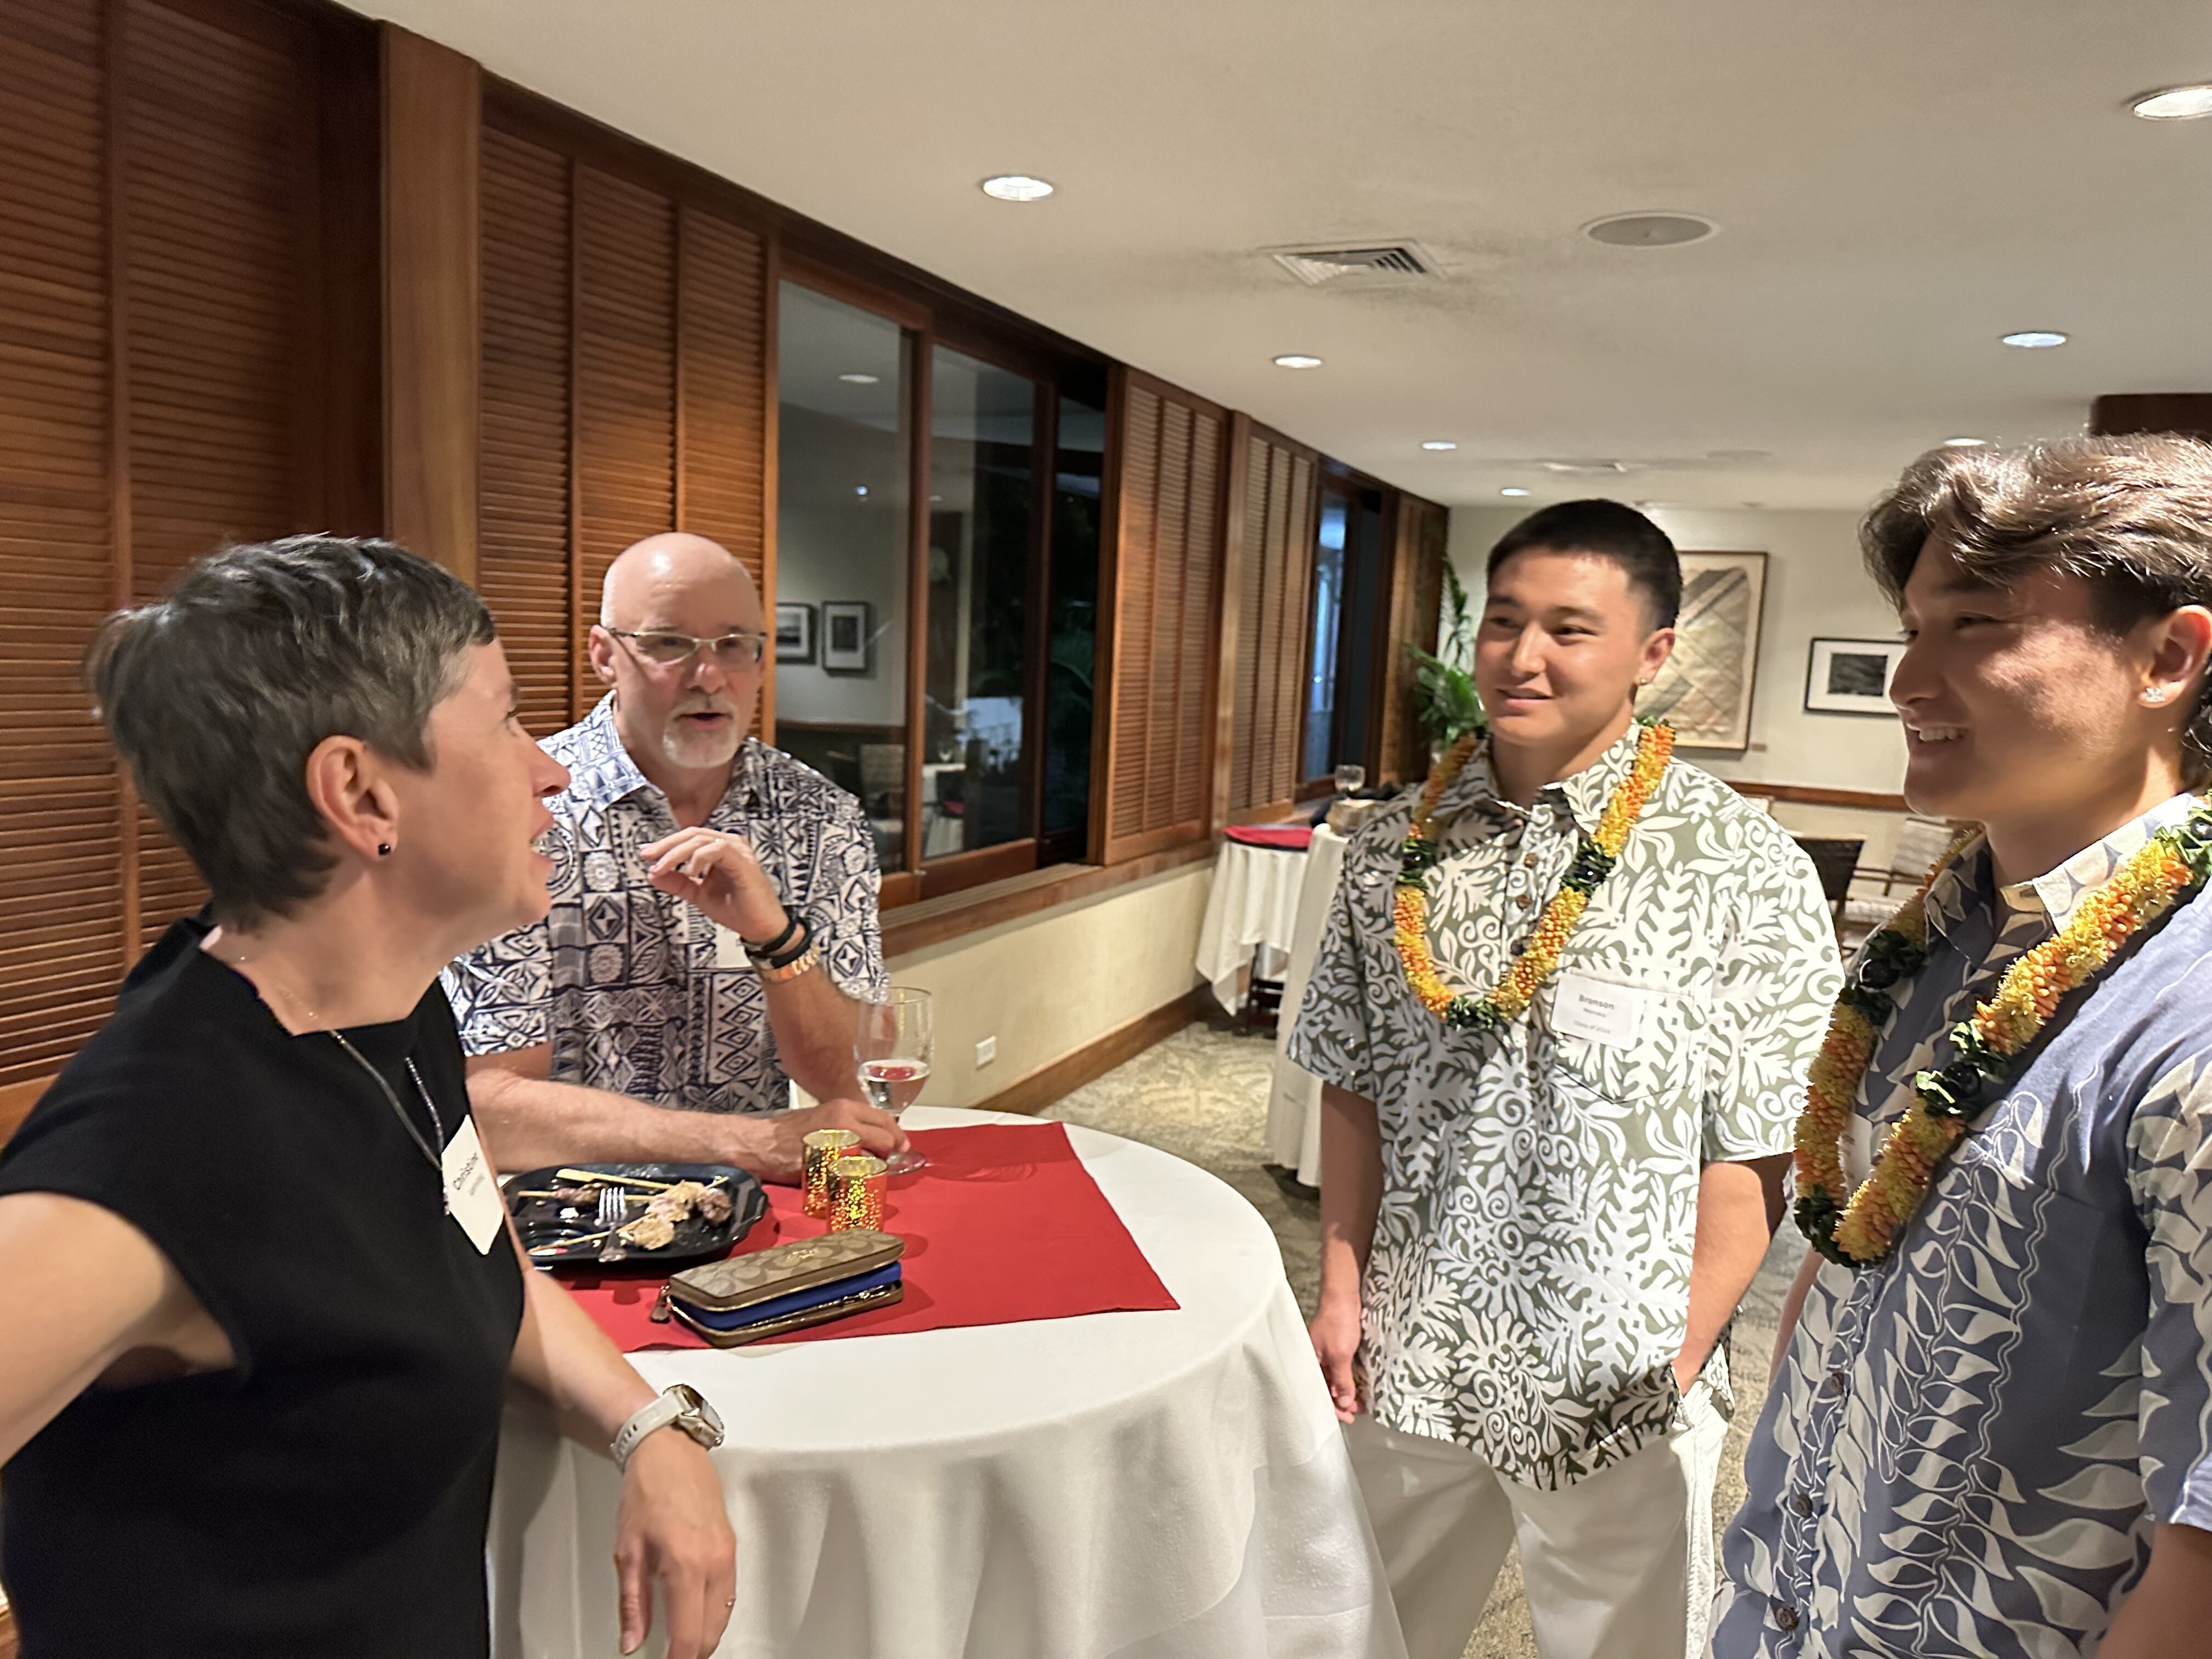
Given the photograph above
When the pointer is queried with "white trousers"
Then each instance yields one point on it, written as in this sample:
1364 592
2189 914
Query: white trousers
1619 1566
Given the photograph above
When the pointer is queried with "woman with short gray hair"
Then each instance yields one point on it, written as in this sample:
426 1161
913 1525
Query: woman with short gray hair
261 1302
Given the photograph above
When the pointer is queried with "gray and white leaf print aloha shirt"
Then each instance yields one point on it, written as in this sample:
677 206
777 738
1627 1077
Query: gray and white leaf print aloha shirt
639 993
1972 1441
1529 1286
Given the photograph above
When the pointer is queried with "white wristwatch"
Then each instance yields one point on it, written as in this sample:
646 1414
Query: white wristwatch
681 1404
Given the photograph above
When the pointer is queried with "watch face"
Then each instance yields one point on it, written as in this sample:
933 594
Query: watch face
695 1405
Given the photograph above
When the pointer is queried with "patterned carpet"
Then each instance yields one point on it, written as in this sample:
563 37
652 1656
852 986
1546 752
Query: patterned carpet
1202 1095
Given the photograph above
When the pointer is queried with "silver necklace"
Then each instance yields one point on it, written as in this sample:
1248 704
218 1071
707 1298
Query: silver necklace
399 1111
390 1096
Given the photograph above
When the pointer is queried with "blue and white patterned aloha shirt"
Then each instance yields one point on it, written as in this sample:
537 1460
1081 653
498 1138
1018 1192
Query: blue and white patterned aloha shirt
638 992
1972 1440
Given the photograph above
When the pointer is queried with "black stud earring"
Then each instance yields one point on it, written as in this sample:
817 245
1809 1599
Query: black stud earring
383 849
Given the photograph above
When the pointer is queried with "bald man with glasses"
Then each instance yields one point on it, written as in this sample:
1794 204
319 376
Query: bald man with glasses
714 912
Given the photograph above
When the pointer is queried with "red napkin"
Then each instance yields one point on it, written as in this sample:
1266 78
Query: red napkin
1286 837
1004 1225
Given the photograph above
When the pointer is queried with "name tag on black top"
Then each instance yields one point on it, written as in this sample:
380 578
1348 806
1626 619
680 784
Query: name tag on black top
470 1193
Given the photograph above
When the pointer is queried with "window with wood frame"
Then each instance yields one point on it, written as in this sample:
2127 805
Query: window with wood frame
1267 581
188 356
1161 653
937 534
624 391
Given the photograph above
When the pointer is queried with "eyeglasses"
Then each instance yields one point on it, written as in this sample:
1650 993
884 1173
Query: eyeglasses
731 651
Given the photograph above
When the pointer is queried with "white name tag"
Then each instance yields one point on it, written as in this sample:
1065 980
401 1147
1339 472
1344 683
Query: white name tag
470 1192
1612 1016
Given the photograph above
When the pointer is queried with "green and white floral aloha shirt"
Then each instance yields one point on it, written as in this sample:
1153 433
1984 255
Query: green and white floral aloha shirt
1528 1287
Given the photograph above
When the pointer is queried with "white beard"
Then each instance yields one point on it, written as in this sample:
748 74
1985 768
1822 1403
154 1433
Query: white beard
698 751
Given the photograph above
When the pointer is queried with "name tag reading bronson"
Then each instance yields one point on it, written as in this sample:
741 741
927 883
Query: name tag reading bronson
470 1191
1612 1016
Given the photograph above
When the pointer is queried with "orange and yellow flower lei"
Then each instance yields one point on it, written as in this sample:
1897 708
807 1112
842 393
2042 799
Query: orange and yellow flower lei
1540 958
1985 1050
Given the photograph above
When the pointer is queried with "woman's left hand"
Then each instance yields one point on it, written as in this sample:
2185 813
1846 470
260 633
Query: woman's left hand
672 1529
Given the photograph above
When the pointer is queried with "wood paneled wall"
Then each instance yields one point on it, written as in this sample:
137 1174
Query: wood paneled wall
239 274
626 389
187 358
1265 623
1417 581
1161 645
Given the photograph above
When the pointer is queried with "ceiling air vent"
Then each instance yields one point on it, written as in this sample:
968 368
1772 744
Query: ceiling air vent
1317 267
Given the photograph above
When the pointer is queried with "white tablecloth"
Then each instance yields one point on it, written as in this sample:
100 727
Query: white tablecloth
1294 1100
1253 903
1129 1485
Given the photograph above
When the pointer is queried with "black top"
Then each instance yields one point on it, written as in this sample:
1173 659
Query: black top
329 1496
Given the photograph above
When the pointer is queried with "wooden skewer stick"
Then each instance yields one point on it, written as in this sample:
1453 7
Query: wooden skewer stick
600 1174
635 1181
565 1244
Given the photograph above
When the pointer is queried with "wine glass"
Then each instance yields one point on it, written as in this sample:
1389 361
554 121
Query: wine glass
893 1046
1349 777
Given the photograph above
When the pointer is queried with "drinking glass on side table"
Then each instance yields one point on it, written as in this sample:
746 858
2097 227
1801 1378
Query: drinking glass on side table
893 1046
1348 778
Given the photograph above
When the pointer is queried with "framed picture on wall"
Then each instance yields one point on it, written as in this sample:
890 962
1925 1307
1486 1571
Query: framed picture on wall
1705 687
1852 676
848 626
794 633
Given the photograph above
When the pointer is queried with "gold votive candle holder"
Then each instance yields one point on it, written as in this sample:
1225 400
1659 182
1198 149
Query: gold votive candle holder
824 1148
857 1186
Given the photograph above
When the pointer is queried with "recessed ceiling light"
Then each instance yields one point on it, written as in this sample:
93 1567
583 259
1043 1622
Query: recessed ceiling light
2174 104
859 490
1439 443
2035 339
1296 360
1016 187
1966 443
1513 489
1648 230
860 379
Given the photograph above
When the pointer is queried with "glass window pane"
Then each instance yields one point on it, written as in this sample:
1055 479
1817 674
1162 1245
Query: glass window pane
983 448
844 458
1078 495
1327 619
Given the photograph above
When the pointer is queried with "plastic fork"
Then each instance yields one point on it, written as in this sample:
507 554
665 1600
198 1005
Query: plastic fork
612 1207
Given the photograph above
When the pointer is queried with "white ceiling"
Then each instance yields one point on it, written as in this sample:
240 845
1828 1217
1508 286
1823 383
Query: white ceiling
1897 182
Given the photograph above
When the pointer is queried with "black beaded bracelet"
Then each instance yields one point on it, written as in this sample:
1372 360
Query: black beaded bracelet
789 953
790 926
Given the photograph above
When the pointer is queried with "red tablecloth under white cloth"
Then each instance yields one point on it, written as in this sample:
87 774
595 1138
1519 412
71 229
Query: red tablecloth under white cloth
1166 1485
1252 905
1294 1099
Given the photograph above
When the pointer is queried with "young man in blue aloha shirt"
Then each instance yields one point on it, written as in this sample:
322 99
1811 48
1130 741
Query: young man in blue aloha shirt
1994 1438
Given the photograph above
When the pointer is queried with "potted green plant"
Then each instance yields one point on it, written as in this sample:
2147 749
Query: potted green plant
1444 698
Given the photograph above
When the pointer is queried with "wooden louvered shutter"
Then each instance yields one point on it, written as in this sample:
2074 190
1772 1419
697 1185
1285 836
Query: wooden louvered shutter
62 924
624 392
625 380
1264 636
523 518
1417 578
1162 648
219 229
722 379
166 369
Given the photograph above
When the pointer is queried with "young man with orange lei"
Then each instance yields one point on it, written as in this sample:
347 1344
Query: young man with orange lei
1562 1011
1990 1428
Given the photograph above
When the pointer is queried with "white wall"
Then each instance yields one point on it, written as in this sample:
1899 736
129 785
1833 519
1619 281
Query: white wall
1815 588
1048 984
